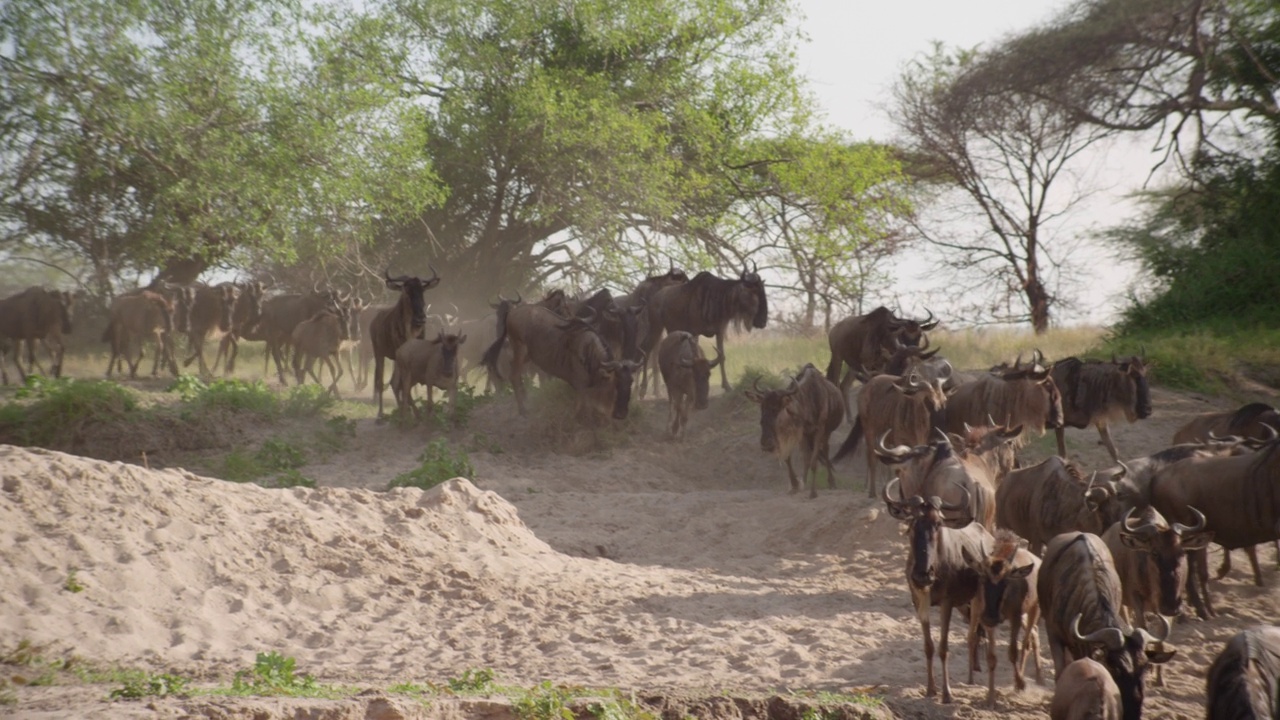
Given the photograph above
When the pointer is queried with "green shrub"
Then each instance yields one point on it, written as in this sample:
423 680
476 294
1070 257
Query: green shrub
280 455
477 682
237 396
307 401
58 408
439 463
72 584
239 466
272 674
148 685
544 702
188 387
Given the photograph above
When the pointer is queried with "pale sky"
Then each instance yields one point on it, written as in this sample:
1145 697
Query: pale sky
856 49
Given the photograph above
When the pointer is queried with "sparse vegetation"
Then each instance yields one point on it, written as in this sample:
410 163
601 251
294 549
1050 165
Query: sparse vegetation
275 674
72 583
234 395
544 701
46 411
473 682
147 685
439 463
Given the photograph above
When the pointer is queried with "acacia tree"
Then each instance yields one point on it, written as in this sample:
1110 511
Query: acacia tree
151 133
999 163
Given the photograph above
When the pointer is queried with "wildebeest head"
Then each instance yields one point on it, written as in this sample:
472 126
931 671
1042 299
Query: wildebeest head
1038 378
931 393
620 374
449 352
701 369
1107 498
925 520
66 306
755 297
228 295
908 332
1135 367
184 298
996 571
1166 547
412 288
249 304
1127 657
775 411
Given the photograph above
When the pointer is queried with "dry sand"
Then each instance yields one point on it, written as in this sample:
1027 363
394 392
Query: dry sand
655 566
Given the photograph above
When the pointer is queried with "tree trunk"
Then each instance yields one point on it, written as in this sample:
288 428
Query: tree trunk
1038 300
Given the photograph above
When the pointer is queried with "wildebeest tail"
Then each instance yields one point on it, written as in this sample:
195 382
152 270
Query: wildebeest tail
494 351
850 443
833 368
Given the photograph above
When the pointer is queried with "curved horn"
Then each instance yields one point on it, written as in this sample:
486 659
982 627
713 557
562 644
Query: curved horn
1228 439
897 508
435 276
963 505
897 451
755 385
793 388
1124 472
1201 523
929 322
1149 639
1143 528
940 435
945 374
1113 638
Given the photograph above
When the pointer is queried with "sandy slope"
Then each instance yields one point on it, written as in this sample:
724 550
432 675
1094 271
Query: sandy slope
652 566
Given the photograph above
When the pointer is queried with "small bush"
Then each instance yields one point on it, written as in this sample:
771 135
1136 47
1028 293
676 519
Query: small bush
60 408
148 685
188 387
439 463
280 455
238 466
307 401
72 584
544 702
473 681
273 674
238 396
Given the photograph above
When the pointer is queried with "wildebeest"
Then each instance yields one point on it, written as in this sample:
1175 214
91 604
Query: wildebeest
569 349
1085 691
706 305
1239 496
1080 599
247 313
617 324
1245 422
406 319
320 337
995 445
935 469
282 314
804 415
909 408
687 374
1244 681
433 363
1006 592
936 571
211 318
1025 396
134 319
647 334
864 342
37 314
1053 497
1096 392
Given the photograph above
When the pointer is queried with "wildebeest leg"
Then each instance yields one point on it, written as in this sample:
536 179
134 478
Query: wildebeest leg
377 382
942 650
335 369
518 352
971 638
224 351
1105 431
846 382
1225 567
824 454
992 633
1252 552
791 472
1061 433
922 614
1017 655
1059 654
1031 641
724 375
1197 565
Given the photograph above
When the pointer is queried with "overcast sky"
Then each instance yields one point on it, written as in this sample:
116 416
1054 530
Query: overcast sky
856 49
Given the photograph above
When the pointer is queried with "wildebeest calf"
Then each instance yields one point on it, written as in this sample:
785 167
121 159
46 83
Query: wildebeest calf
320 337
433 363
803 415
687 375
1085 691
134 318
1006 592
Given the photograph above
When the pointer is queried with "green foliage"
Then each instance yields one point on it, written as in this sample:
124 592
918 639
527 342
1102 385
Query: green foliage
237 396
544 702
278 454
473 681
307 401
72 584
339 428
1204 360
619 707
466 401
275 456
291 478
55 409
188 387
438 464
239 466
273 674
7 695
148 685
767 379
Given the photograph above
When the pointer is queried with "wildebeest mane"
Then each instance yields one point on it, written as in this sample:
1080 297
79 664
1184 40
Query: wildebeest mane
1175 453
1094 594
1101 389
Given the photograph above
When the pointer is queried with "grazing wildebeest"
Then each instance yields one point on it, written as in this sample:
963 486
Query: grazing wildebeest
433 363
934 468
320 337
244 318
1053 497
1244 681
804 415
706 305
936 571
1085 691
404 320
134 318
569 349
1080 600
687 375
909 408
211 317
1025 396
37 314
1248 422
865 342
1096 392
1240 498
1006 592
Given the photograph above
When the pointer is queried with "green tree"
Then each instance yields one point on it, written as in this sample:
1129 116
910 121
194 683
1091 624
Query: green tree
148 133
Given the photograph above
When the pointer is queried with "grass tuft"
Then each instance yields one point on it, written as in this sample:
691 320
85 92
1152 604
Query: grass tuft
438 463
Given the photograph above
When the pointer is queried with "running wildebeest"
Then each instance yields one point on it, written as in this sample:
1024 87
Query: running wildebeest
1096 392
211 317
134 319
864 342
320 338
706 305
282 314
37 314
687 374
1244 681
433 363
392 327
244 318
804 415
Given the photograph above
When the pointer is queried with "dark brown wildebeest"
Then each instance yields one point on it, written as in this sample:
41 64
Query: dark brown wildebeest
934 468
1053 497
865 342
244 318
1096 392
404 320
1244 681
433 363
936 571
706 305
648 335
1025 397
1006 592
687 374
1080 599
569 349
1085 691
802 416
1249 421
320 337
211 318
281 315
617 324
134 319
37 314
1240 498
909 408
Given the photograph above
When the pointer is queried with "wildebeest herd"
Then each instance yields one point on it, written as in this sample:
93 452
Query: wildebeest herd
1103 557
